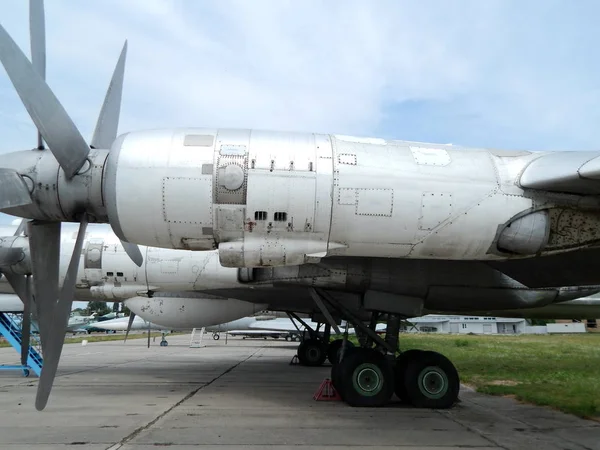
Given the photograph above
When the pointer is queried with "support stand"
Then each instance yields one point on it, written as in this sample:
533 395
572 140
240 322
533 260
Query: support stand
326 392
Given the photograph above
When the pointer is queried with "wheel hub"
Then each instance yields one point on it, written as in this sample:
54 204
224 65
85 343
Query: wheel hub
368 379
313 354
433 382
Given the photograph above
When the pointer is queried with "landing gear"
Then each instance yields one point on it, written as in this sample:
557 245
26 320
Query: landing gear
312 352
163 341
333 350
427 380
365 377
368 376
216 336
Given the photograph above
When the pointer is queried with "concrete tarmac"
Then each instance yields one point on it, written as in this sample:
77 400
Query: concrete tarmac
244 394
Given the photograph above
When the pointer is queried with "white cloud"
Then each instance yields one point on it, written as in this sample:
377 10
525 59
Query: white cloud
499 71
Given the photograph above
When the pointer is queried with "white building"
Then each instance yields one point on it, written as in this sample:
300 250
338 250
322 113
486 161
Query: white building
434 323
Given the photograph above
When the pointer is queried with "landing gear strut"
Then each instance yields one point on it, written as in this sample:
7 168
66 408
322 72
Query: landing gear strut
368 376
163 341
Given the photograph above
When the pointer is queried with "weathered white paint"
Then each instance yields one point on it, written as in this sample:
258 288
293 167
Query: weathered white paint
304 196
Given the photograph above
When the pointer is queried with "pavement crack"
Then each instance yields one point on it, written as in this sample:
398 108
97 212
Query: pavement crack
189 395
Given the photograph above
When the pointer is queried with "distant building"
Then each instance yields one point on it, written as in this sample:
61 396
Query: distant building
434 323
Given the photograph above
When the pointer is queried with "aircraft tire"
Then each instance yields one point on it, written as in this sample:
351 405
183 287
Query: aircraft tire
336 379
334 348
400 370
431 381
312 352
366 378
216 336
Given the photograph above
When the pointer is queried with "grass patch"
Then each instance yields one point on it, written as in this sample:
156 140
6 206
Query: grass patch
560 371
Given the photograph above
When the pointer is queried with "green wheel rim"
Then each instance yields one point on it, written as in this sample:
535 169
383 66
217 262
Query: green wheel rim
367 379
433 382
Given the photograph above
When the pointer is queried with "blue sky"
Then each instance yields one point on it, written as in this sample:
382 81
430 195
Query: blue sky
493 73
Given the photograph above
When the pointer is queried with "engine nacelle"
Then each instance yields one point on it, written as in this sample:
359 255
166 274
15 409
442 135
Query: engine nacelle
190 312
268 199
261 195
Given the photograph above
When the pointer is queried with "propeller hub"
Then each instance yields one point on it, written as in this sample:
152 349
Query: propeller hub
54 196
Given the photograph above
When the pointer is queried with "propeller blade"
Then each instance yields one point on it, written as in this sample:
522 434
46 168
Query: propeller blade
13 190
108 121
44 249
26 325
58 130
134 253
37 33
129 324
17 282
60 321
22 227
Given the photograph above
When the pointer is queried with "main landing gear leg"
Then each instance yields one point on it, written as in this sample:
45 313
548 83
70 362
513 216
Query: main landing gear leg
163 341
368 376
311 351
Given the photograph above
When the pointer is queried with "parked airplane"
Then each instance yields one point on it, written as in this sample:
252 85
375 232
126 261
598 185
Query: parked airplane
77 321
10 303
362 227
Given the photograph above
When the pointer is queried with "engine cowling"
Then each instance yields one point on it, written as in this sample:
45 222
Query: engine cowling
190 312
260 197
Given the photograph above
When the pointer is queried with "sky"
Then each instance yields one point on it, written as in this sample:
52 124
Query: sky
496 73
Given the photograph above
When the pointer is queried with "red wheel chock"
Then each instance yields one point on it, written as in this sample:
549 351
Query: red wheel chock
326 392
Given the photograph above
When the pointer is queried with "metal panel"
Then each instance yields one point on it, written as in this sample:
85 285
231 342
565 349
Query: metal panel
430 156
231 174
324 185
169 266
436 207
93 254
375 202
347 158
526 235
347 196
198 140
176 207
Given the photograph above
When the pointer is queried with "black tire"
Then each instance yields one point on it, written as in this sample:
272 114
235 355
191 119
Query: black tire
431 381
311 352
216 337
336 379
333 350
366 378
400 370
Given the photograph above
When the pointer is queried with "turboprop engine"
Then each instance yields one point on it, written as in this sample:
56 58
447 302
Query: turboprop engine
281 199
190 312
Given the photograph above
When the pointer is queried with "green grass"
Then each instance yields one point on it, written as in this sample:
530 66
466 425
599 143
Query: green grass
560 371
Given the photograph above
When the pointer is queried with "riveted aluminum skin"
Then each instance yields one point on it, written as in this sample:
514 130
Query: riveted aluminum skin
268 199
157 189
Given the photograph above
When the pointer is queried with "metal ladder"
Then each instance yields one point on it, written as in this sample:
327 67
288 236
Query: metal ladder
194 342
10 329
